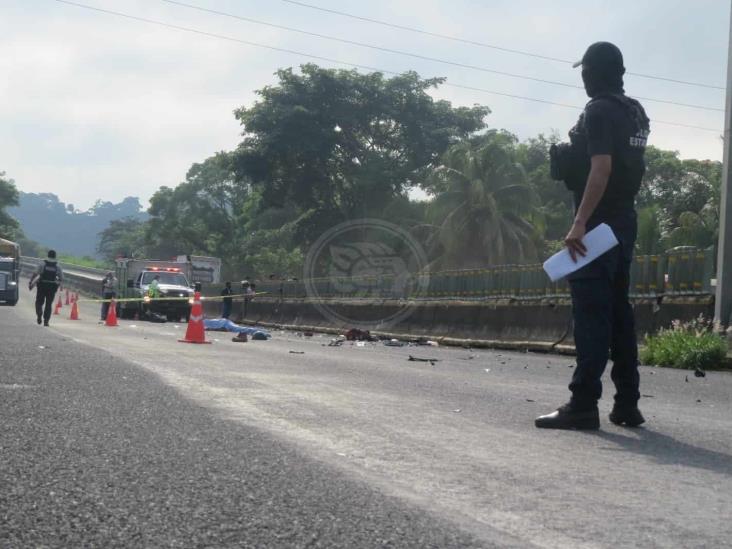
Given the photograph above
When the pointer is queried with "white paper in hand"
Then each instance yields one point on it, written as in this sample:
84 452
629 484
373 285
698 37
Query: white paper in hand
597 241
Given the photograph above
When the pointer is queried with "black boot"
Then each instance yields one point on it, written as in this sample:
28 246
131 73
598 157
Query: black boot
627 414
568 417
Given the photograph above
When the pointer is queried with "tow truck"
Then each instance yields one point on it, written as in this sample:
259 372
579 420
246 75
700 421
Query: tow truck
134 277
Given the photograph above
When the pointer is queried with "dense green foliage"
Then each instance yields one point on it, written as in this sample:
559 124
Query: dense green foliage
9 227
323 146
687 345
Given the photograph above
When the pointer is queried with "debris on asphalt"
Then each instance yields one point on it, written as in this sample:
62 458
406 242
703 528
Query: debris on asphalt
308 334
699 373
297 352
394 343
41 347
457 411
360 344
687 379
698 400
529 400
471 357
336 341
487 370
420 359
354 334
648 396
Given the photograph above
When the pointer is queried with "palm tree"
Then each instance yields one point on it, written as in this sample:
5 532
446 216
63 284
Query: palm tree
695 229
483 209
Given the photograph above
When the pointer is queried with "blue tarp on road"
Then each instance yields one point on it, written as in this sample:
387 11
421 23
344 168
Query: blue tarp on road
224 324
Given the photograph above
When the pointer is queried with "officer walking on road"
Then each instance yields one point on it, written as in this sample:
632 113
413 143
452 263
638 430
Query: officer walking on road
47 280
603 166
109 291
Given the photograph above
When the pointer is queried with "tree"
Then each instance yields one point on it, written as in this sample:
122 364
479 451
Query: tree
202 215
555 206
9 227
341 145
483 207
694 229
124 237
649 241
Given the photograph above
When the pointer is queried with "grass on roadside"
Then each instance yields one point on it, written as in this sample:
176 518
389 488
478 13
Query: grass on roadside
687 345
85 261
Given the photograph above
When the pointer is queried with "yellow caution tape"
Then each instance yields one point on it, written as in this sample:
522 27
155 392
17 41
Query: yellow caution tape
154 299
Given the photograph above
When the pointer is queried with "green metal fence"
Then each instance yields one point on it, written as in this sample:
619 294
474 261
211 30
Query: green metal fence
678 272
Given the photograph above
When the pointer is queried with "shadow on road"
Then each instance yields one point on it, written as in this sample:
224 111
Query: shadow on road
669 451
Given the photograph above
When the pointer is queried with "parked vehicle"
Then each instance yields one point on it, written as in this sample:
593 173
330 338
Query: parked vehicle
134 277
9 271
206 270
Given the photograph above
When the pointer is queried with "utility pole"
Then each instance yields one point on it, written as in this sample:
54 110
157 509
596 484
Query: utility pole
723 298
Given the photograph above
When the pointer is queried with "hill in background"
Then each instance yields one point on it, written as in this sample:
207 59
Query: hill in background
47 220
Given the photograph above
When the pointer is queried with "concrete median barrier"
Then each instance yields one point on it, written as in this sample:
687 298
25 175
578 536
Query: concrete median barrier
534 325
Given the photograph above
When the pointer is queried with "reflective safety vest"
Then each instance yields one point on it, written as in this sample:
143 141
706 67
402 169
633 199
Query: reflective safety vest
153 291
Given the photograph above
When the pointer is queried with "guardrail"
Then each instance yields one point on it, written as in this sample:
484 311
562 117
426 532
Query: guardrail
83 279
679 272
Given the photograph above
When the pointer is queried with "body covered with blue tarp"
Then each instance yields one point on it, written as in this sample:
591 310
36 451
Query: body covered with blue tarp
224 324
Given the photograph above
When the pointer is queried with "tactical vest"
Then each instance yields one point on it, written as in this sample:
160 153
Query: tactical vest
49 273
572 164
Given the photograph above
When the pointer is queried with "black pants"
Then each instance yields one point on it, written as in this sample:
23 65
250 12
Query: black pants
604 324
105 305
44 300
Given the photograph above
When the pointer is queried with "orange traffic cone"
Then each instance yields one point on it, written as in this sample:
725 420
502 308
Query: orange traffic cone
57 310
196 332
111 315
67 298
74 312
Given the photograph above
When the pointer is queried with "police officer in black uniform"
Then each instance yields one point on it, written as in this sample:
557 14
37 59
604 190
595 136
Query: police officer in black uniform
603 166
47 280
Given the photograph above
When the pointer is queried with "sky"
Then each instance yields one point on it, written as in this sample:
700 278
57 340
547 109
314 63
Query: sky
97 106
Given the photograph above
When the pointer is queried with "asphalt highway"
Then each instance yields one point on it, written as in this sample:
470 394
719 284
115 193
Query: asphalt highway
125 437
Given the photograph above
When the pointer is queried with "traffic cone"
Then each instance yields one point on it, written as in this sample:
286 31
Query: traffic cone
67 298
111 315
57 310
196 333
74 312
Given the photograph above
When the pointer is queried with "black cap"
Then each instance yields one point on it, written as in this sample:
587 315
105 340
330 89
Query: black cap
604 55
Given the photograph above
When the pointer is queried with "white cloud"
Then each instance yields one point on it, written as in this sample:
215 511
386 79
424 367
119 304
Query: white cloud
95 106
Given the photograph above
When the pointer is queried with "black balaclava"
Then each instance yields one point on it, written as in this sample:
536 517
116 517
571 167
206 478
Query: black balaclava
602 69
